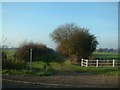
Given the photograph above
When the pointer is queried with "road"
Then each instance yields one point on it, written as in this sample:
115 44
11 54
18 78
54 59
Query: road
79 81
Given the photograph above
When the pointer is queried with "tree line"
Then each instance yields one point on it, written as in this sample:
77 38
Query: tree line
106 50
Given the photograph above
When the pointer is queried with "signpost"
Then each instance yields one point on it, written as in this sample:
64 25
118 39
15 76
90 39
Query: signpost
31 60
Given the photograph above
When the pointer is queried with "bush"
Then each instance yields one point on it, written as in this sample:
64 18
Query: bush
51 57
38 50
12 64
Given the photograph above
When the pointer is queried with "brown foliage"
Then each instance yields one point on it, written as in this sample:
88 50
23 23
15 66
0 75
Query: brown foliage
23 52
73 40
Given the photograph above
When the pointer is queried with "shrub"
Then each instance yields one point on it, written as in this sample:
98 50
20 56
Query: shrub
14 64
38 50
51 57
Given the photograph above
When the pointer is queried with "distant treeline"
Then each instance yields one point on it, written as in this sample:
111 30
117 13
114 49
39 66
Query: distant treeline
9 48
107 50
97 50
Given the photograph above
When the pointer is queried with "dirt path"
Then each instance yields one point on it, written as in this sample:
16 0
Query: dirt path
59 81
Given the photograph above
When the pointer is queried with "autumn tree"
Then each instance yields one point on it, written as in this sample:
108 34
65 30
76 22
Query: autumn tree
74 41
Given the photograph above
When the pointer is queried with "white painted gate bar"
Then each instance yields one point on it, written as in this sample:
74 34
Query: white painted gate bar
85 62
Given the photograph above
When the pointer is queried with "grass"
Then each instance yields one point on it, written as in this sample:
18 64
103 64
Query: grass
0 71
106 55
16 72
38 68
67 69
41 69
10 52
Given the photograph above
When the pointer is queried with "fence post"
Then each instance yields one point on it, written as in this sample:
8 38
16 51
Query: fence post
113 62
97 63
82 62
86 63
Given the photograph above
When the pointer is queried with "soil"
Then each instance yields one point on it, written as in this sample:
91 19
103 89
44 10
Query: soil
84 80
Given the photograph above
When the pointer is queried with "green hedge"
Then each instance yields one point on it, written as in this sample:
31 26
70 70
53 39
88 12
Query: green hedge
12 64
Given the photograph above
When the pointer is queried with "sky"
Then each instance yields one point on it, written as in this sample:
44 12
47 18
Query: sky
34 21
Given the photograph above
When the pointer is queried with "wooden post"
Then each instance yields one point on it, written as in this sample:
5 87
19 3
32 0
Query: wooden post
31 60
113 62
97 63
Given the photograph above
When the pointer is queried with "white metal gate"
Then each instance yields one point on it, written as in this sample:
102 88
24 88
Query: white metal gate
86 62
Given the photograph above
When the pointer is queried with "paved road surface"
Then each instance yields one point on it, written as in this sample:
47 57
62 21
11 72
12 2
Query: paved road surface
80 81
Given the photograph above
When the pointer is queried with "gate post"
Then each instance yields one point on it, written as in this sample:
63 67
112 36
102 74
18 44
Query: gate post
82 62
97 63
86 63
113 62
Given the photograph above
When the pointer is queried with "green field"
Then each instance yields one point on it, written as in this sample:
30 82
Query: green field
106 55
10 52
97 55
